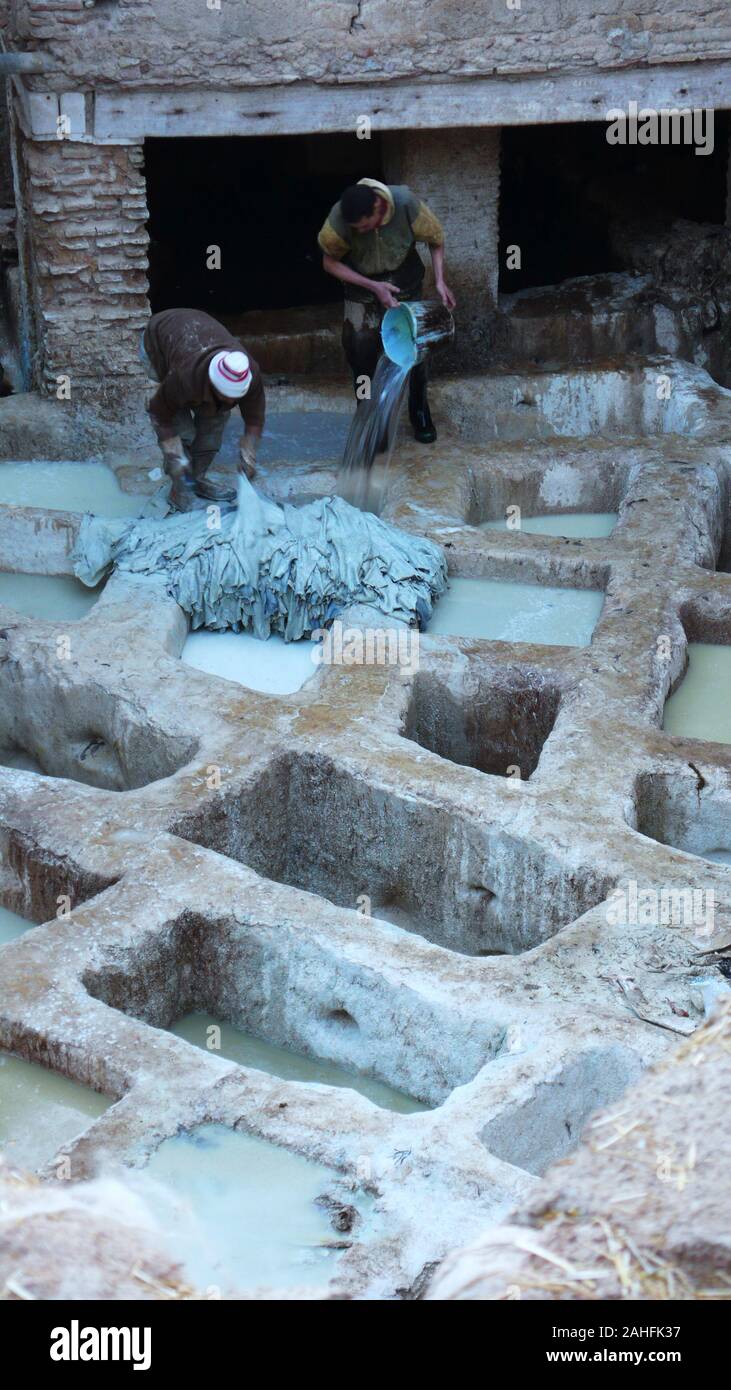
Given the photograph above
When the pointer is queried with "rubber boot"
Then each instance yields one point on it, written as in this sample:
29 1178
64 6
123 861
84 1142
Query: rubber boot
419 412
214 492
205 487
182 492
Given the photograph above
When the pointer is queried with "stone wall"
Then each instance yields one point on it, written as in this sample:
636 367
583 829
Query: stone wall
153 43
88 249
86 203
457 172
88 241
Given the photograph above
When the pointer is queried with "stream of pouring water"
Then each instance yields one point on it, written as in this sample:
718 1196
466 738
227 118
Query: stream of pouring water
372 434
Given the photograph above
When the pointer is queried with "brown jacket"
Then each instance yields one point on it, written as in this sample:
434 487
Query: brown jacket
180 344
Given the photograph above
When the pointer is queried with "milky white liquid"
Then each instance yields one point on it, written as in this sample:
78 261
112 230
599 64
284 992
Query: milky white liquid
58 598
291 1066
68 487
247 1213
700 707
40 1111
570 524
500 610
11 925
275 667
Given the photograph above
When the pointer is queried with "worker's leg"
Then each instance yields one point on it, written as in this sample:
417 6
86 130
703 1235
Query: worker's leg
363 347
362 342
206 444
419 412
182 492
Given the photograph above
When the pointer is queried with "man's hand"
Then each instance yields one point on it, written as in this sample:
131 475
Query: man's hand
386 293
174 456
445 294
247 458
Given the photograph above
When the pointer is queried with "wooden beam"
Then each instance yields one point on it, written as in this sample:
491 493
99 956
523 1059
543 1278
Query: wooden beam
127 117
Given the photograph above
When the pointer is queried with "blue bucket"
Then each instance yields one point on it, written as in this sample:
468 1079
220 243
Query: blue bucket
412 328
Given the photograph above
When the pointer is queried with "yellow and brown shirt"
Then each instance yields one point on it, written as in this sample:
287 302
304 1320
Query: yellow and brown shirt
379 253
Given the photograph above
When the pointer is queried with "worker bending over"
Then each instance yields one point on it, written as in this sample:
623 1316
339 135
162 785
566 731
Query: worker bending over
369 242
203 373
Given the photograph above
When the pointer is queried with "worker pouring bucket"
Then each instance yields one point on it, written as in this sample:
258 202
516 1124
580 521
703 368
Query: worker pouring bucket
409 331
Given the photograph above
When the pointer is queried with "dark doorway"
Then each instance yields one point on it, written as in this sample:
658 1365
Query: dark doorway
262 201
564 187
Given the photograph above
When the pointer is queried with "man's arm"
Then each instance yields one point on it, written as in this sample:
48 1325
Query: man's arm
383 290
427 228
443 290
335 247
167 402
253 413
163 408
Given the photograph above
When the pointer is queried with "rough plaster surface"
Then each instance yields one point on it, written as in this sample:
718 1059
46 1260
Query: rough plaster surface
145 43
458 174
217 857
639 1212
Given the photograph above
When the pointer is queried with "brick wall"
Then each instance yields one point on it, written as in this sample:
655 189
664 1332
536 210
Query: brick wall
88 244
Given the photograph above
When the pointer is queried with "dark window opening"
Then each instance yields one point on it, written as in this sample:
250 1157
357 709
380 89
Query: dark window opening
564 190
262 200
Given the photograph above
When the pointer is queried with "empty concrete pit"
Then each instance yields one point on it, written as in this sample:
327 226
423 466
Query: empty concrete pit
496 721
688 807
471 888
548 1123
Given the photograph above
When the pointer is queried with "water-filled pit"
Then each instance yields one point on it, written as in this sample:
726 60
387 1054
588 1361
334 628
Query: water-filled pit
502 610
12 926
572 525
248 1051
55 598
40 1111
274 666
281 996
68 487
245 1212
697 707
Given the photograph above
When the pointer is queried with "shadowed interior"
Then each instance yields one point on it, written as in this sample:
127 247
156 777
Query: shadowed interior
473 888
502 723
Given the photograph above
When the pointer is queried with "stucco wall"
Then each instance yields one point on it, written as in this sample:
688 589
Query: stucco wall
457 172
149 43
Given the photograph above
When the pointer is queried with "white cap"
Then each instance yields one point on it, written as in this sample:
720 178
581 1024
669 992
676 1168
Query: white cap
230 373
